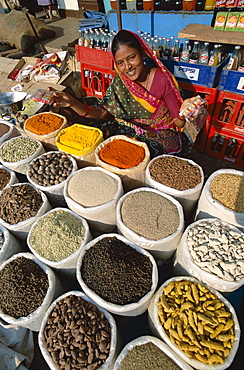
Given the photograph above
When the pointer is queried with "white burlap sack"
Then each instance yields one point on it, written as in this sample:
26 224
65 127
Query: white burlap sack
159 331
101 218
66 265
10 246
54 193
209 207
108 364
21 229
161 249
132 309
21 166
33 321
11 133
133 177
188 198
13 177
184 263
159 343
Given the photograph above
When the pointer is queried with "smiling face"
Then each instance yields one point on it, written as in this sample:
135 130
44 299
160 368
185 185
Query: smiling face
130 62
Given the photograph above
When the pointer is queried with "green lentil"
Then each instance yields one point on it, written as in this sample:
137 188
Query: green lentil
17 149
57 235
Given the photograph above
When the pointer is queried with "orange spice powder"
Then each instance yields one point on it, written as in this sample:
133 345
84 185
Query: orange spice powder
122 154
43 124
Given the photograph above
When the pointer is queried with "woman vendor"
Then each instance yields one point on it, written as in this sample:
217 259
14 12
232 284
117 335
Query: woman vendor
143 100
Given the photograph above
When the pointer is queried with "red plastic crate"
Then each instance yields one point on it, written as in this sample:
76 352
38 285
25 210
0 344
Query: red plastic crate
96 68
225 145
229 112
210 95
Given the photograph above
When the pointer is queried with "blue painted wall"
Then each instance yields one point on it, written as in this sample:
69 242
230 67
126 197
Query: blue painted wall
162 23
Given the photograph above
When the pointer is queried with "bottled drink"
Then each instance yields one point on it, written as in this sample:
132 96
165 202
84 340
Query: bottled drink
86 39
214 141
178 5
209 4
204 54
91 35
148 4
155 46
231 3
113 4
194 56
139 4
167 52
131 4
176 52
200 5
188 5
235 59
241 67
167 4
123 4
81 38
161 43
214 60
185 52
220 144
158 5
172 44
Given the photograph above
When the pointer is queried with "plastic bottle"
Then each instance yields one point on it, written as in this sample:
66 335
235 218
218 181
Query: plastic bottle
194 56
148 4
204 54
209 5
131 4
235 59
185 52
176 52
188 5
214 60
167 52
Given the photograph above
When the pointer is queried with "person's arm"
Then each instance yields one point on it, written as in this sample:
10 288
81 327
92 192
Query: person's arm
64 100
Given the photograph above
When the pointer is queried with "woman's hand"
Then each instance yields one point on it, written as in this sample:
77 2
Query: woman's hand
186 102
61 99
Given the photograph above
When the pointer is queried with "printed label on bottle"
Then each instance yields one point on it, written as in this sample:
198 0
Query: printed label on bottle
203 58
240 69
177 59
193 61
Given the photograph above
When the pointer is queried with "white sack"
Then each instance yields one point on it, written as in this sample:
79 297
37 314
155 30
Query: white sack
33 320
101 218
158 329
10 246
161 249
21 229
209 207
159 343
132 309
13 177
184 264
108 364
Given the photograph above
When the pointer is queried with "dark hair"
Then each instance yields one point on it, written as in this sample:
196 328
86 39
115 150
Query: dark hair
124 37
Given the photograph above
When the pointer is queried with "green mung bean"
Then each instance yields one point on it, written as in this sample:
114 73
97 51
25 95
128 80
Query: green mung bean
18 149
57 235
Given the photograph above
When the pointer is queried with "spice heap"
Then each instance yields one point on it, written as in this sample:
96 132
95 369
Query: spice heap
4 178
19 202
2 240
23 287
175 173
149 214
77 335
217 249
44 123
79 139
197 321
50 169
228 189
110 266
92 188
64 234
3 129
122 154
18 149
147 356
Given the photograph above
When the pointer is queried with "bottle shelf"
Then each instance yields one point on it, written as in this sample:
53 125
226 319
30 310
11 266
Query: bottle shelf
202 32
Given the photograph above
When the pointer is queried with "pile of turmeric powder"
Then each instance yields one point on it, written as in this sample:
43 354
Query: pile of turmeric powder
79 139
122 153
44 123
